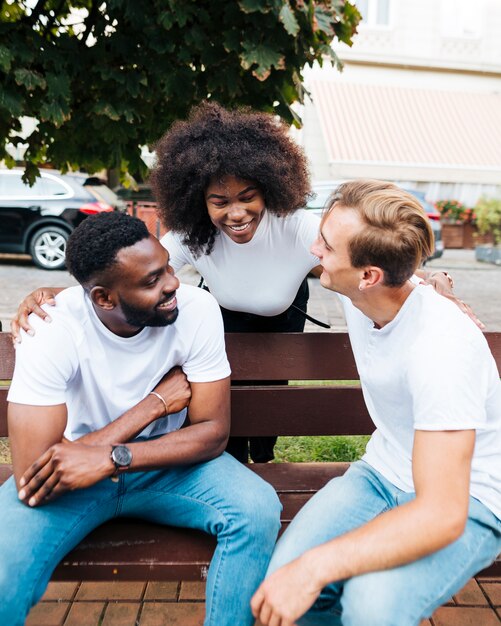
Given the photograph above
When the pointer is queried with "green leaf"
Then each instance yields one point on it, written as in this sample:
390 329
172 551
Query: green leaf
106 109
58 86
263 56
166 19
289 20
333 57
31 172
53 112
11 102
5 59
253 6
325 20
231 40
31 80
9 160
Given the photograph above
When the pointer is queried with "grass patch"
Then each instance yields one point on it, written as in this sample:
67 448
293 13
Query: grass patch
4 450
324 383
308 449
288 449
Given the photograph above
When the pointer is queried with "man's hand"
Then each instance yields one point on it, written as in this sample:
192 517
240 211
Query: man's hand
287 594
175 390
64 467
32 304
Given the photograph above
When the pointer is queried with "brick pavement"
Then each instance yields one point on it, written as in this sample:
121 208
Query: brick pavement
182 604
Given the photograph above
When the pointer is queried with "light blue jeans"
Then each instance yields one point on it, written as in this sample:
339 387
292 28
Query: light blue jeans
220 497
397 597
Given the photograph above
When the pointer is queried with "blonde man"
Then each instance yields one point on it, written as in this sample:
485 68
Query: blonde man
410 523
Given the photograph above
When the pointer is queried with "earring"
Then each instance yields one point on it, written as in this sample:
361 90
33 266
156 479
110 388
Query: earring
360 287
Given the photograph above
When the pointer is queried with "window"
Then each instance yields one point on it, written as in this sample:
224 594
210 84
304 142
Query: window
47 187
54 187
461 18
13 187
374 12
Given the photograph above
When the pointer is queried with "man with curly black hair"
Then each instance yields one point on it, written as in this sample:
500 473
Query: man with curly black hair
230 186
96 406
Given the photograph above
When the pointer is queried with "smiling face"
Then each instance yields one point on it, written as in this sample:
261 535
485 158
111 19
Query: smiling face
235 206
145 287
332 248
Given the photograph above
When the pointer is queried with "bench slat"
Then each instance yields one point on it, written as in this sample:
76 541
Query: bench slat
299 411
297 356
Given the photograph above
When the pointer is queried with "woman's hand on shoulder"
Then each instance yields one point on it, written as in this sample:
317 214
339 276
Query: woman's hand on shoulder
32 304
444 285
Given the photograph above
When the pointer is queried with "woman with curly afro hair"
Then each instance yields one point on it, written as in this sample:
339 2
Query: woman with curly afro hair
230 187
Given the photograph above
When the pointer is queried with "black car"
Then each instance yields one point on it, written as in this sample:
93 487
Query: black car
38 220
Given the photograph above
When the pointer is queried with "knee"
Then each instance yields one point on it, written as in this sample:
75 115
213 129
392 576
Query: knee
366 603
260 511
264 511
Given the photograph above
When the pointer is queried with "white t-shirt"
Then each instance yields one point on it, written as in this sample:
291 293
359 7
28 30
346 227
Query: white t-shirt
429 369
261 276
76 360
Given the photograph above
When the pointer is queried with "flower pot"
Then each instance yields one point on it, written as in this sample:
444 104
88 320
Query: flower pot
453 235
488 254
463 235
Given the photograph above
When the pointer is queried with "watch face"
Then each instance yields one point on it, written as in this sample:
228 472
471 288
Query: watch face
121 456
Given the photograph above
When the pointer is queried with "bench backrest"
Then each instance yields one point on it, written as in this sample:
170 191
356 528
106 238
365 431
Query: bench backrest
265 404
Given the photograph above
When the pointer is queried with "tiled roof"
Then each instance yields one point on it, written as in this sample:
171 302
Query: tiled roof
388 124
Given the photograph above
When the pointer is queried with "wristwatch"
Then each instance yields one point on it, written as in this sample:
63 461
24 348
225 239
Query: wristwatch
122 457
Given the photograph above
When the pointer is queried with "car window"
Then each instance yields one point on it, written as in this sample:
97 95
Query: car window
47 187
13 187
103 193
53 187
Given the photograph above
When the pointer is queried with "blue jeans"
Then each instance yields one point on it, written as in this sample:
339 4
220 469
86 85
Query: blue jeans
401 596
220 497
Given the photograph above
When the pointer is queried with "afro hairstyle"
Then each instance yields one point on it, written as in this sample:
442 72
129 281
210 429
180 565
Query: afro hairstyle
215 142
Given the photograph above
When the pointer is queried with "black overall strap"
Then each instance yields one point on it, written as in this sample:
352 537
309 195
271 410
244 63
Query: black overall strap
308 317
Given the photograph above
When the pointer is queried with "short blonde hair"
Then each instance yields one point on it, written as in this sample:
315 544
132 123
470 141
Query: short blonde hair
398 236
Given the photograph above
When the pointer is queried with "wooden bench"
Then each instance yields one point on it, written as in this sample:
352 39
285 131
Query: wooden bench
133 550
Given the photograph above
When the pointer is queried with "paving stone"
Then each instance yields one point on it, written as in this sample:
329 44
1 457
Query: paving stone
121 614
85 614
471 594
464 616
115 590
47 614
60 591
493 590
162 591
169 614
192 591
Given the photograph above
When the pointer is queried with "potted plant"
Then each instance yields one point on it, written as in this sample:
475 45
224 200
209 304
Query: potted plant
458 223
488 214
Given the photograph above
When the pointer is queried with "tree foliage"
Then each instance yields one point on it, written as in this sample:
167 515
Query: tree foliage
104 78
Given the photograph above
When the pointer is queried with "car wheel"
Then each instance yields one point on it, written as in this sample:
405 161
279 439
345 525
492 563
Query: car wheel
48 247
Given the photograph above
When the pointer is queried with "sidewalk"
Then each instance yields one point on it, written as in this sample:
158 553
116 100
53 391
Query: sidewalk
182 604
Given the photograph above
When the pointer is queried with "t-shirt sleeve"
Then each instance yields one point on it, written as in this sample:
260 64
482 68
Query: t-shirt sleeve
207 360
309 226
178 252
44 365
449 386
